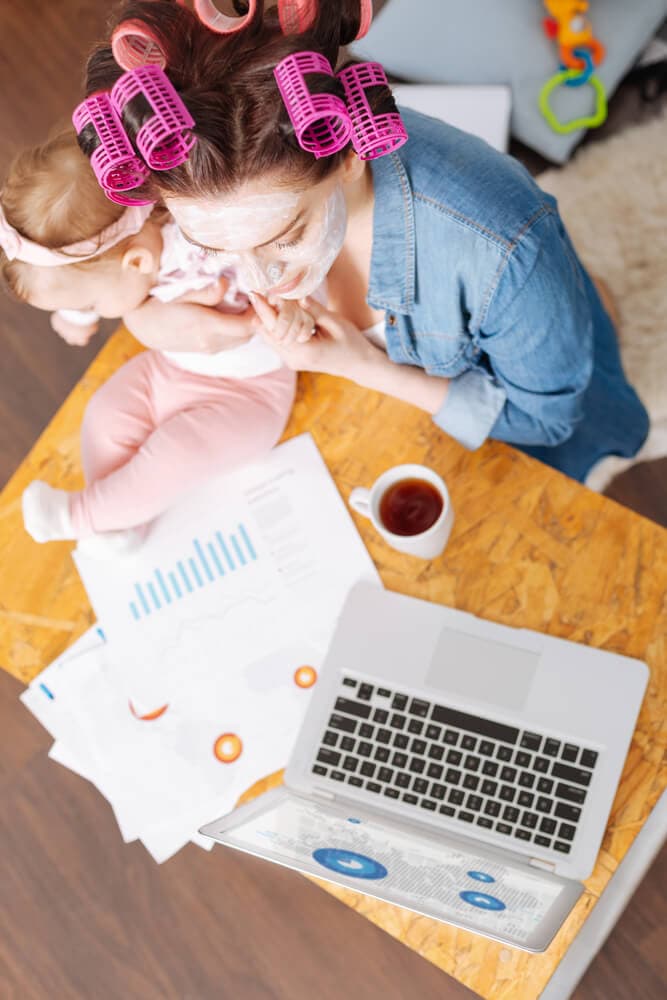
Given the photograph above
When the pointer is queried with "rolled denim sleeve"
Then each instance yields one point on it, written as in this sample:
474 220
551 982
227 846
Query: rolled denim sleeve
471 408
538 339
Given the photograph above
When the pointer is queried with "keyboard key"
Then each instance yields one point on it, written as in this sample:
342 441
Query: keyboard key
503 828
474 802
471 781
350 764
452 777
542 841
436 752
367 769
354 780
451 737
574 774
492 808
529 819
472 763
467 817
547 825
541 765
543 804
349 682
383 736
504 753
420 786
366 732
486 748
412 800
525 799
402 780
570 752
318 769
391 793
522 834
399 759
330 738
352 708
385 774
365 692
489 787
380 715
397 721
340 722
417 765
565 811
381 754
562 847
508 774
551 747
507 793
326 756
468 742
364 749
384 692
372 786
454 757
531 741
490 767
456 796
511 814
399 702
437 791
419 707
545 785
588 758
447 810
347 743
434 770
474 724
418 746
483 821
522 759
428 804
571 793
526 779
415 726
337 776
401 741
433 732
566 831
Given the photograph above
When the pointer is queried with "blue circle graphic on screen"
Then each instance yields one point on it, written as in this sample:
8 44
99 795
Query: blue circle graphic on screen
481 876
482 901
349 863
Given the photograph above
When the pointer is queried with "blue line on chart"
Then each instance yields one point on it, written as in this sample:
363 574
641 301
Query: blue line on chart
49 694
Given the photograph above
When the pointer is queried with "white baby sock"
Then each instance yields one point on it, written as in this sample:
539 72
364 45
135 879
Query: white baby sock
46 512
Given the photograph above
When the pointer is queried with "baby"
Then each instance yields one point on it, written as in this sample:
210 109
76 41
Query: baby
210 396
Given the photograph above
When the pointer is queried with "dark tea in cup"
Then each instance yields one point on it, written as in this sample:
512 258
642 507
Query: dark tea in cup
410 507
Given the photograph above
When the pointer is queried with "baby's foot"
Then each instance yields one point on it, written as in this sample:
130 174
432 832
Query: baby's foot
46 513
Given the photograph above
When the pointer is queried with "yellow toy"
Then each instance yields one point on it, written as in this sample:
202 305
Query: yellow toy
571 29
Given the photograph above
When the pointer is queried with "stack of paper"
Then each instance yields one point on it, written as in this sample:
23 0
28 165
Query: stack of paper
211 642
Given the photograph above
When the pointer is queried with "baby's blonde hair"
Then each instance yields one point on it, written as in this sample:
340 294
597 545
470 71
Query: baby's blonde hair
51 196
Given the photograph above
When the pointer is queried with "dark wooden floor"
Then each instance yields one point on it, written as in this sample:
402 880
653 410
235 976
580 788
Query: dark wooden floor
84 916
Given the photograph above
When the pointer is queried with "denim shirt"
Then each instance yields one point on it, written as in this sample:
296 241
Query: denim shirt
481 285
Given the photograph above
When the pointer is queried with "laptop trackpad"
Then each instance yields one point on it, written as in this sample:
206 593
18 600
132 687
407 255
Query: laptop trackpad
481 669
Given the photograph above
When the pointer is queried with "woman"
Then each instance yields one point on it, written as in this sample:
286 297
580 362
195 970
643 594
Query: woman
451 281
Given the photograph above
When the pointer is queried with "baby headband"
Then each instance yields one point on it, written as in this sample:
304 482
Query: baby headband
163 141
17 247
324 123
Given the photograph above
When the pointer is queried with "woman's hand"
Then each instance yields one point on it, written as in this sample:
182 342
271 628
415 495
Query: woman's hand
189 326
335 346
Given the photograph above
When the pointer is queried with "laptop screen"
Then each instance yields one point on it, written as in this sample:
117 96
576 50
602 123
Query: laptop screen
428 874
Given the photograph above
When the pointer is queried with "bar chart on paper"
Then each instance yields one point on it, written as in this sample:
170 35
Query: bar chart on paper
205 562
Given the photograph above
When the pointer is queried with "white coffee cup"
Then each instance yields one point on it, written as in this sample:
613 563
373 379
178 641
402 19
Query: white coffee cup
427 544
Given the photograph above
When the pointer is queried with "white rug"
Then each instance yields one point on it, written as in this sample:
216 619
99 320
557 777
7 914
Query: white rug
613 200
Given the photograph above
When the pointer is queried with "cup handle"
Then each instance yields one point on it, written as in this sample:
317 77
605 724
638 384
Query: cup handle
360 500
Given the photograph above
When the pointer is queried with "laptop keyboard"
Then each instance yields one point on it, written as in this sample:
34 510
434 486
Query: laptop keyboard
520 783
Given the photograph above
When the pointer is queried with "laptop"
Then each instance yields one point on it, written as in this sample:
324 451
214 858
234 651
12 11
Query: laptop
456 767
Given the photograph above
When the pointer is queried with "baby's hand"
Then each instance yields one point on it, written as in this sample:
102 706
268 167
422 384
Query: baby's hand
286 321
73 333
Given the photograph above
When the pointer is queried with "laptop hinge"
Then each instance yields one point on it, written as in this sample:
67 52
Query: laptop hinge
321 794
547 866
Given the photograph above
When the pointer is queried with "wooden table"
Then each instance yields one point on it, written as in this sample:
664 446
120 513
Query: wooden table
529 548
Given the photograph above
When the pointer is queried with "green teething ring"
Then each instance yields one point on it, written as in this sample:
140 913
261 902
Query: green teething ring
589 121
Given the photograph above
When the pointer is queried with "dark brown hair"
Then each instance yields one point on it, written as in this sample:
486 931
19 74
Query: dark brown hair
227 84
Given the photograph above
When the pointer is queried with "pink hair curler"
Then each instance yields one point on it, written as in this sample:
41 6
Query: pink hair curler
114 161
164 140
321 122
133 44
222 24
372 135
297 16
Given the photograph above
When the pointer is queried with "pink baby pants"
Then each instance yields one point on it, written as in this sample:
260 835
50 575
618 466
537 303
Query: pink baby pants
154 430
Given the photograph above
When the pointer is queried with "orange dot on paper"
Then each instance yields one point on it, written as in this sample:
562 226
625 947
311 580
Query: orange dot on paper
149 716
227 748
305 677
